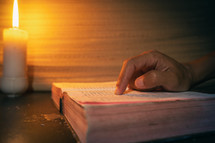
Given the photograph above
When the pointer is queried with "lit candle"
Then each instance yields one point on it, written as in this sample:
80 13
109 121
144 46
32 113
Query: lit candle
14 80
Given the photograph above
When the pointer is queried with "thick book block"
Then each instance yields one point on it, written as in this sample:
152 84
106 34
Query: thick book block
97 115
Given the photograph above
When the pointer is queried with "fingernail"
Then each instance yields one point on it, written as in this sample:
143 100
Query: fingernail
139 83
117 91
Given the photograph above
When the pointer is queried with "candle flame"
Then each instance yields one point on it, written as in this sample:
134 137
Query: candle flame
15 14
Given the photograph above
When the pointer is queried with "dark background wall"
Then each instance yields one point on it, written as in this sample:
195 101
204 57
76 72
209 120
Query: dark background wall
87 40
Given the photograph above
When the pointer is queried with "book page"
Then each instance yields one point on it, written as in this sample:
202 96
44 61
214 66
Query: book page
67 86
103 93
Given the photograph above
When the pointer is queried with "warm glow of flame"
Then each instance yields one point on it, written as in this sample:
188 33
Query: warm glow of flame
15 14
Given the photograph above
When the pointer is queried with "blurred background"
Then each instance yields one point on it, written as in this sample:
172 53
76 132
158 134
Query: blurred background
87 40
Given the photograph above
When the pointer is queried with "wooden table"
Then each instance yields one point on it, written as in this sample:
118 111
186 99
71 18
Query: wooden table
33 118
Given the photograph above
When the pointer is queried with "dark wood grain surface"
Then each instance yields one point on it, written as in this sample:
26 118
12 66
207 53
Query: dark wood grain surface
87 40
32 118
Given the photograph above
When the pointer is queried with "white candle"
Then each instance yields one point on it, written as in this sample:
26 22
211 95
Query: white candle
14 80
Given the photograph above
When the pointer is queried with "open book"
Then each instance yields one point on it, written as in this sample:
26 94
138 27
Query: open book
96 114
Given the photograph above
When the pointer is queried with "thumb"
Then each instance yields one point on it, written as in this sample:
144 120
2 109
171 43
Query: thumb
149 80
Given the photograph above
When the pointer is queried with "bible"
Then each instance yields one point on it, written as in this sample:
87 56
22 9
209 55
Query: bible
96 114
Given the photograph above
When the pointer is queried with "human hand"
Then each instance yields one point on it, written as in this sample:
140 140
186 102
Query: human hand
153 70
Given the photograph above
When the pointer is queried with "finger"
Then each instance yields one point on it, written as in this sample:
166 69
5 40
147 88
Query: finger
136 74
151 80
125 75
141 62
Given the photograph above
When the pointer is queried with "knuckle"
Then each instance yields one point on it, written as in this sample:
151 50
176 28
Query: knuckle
125 62
155 53
128 62
152 53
